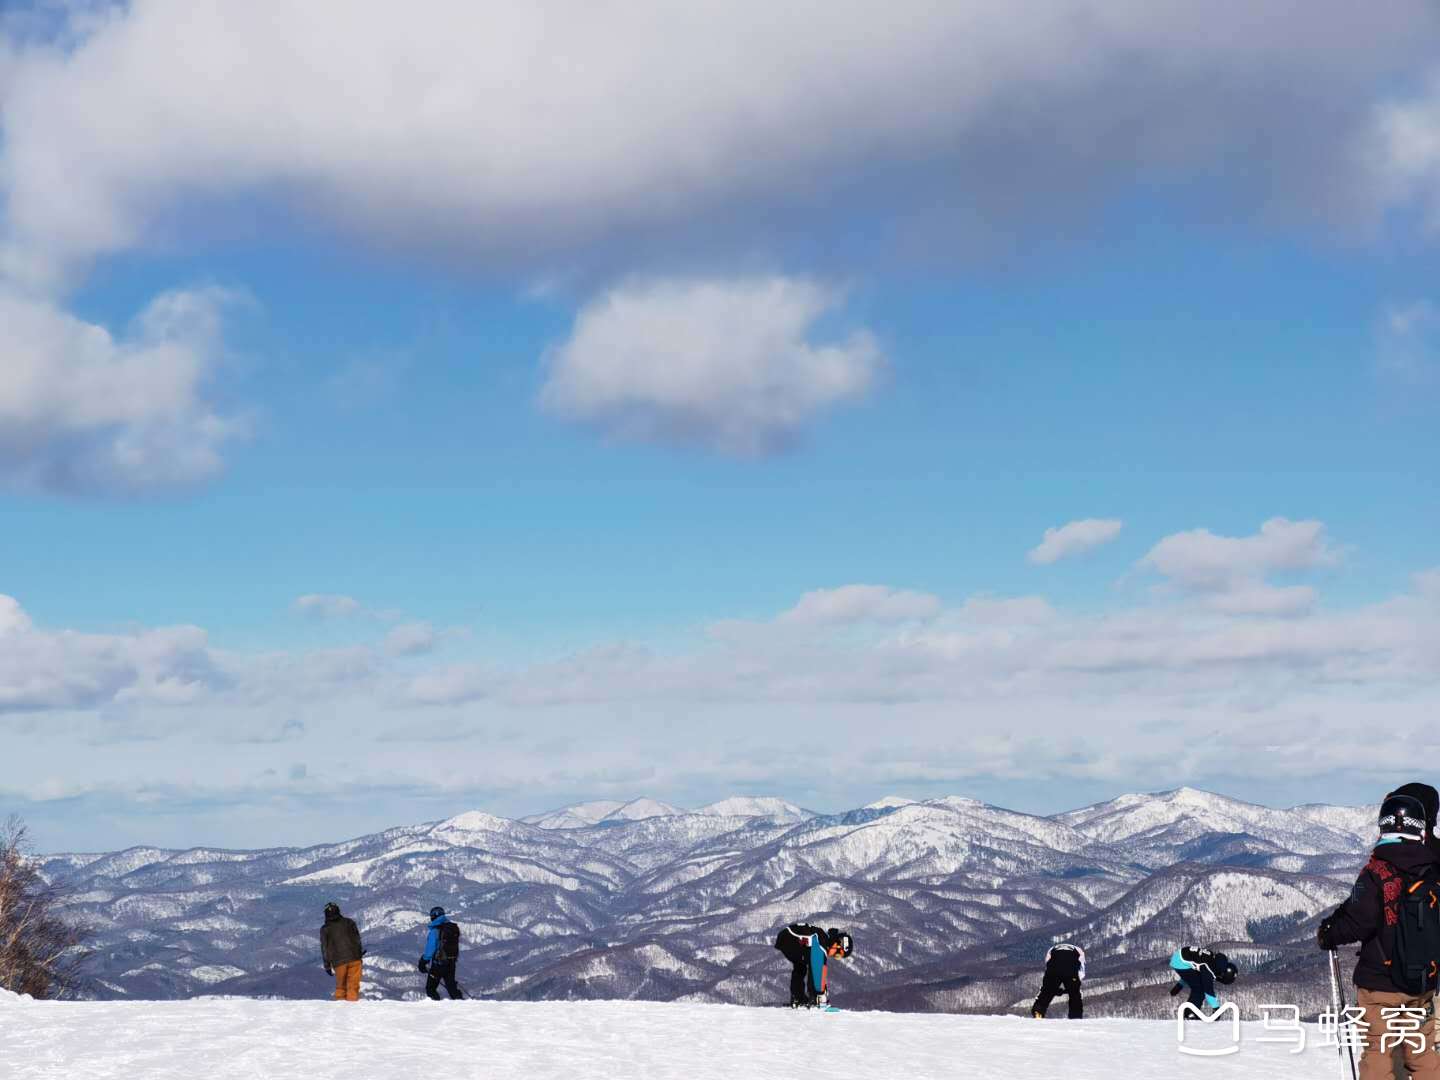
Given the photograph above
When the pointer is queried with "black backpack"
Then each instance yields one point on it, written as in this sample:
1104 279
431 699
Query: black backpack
449 947
1415 955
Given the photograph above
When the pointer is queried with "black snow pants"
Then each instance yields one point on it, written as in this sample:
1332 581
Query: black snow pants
1055 984
1199 985
798 953
442 970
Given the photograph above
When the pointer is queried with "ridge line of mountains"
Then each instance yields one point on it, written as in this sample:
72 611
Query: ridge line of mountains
951 902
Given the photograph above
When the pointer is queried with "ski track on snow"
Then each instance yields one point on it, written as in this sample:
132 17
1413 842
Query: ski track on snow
234 1038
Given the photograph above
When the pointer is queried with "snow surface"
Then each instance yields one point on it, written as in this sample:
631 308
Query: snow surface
221 1038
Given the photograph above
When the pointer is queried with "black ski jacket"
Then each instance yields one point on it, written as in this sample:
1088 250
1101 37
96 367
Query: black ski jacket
340 941
1362 917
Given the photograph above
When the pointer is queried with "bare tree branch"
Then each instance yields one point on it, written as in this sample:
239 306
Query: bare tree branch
41 952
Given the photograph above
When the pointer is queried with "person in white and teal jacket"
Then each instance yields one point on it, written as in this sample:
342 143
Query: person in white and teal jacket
1199 971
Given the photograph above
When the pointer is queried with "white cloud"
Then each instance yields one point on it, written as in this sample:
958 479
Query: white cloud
54 670
1074 538
453 684
728 365
1007 611
411 639
1409 148
1203 561
1257 598
996 687
327 606
1410 340
82 411
675 116
862 603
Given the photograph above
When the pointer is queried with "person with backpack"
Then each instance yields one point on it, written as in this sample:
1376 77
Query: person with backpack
810 950
340 951
1202 972
1064 970
1393 911
442 952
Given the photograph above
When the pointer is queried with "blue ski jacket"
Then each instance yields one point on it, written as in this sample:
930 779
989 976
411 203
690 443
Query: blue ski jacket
432 939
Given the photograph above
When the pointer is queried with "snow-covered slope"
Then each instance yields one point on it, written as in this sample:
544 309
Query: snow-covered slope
1153 827
228 1039
750 806
640 809
575 816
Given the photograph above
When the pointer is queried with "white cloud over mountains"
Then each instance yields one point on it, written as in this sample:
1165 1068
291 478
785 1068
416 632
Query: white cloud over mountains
1229 572
862 603
1074 538
327 606
908 685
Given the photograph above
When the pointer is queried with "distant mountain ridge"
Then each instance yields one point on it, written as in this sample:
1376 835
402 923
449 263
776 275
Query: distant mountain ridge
951 901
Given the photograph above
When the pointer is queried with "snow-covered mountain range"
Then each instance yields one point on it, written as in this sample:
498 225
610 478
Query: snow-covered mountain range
951 901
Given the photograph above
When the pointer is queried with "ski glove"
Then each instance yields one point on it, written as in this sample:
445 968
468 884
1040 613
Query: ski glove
329 971
1325 934
424 965
1176 989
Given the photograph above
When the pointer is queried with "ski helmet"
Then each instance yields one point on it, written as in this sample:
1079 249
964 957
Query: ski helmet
1426 796
436 911
1227 973
837 936
332 910
1404 816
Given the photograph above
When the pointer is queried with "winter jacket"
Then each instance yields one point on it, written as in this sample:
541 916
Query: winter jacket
340 941
1200 965
1065 961
434 949
1370 913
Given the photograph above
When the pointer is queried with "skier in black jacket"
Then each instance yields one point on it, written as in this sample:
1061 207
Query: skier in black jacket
340 952
1064 970
1403 860
809 950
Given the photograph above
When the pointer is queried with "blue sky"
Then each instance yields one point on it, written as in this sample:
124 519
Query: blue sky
565 434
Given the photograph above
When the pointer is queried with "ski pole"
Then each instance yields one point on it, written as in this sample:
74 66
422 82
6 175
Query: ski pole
1331 965
1337 989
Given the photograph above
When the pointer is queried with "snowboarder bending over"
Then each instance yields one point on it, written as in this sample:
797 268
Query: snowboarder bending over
1392 911
1198 971
1064 970
442 950
809 950
340 950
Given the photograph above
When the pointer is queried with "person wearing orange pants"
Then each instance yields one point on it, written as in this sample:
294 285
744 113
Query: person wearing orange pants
340 950
347 981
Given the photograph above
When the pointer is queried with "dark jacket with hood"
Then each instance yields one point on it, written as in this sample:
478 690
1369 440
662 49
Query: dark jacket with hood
339 940
1370 914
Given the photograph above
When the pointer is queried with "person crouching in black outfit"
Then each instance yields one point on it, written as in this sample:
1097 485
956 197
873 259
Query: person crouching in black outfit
1064 970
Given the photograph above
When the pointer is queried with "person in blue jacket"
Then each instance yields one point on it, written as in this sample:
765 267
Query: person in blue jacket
809 950
442 952
1199 970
